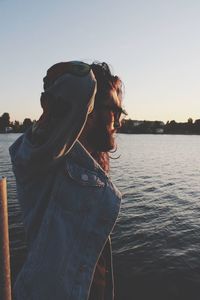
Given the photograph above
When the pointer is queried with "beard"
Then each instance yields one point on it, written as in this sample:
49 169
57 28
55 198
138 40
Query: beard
100 138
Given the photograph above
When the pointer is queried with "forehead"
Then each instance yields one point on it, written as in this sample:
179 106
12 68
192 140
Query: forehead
113 98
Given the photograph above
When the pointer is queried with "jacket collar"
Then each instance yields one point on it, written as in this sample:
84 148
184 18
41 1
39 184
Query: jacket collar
81 156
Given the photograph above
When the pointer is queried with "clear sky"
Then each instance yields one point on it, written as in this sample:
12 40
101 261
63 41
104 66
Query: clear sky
153 45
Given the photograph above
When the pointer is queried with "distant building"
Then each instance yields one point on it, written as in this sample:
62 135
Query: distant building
8 129
159 130
136 123
145 127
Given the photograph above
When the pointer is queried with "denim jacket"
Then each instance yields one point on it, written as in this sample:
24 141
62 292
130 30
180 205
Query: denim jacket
69 209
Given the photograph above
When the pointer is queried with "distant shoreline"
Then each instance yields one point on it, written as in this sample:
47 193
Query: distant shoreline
128 133
159 127
128 126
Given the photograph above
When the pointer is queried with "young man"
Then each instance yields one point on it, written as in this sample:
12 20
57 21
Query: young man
70 205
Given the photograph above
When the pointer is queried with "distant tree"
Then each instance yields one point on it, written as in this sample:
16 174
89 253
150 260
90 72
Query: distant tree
170 126
26 124
190 121
197 122
16 126
190 126
197 126
4 121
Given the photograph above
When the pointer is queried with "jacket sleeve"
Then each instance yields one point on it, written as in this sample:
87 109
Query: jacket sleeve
29 157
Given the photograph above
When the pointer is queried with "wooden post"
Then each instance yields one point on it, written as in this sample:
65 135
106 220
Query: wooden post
5 278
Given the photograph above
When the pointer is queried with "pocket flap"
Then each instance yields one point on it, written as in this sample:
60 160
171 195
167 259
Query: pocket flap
84 176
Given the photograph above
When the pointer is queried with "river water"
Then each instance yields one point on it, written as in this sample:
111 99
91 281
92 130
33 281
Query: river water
156 241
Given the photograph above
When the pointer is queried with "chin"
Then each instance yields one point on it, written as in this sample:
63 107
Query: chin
102 140
108 144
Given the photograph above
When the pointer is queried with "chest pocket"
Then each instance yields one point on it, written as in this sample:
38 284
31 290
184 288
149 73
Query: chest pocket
81 190
84 176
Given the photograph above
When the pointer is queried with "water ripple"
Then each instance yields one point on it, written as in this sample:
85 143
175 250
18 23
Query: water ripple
157 236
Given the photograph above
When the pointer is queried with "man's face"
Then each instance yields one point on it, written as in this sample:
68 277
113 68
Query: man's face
101 132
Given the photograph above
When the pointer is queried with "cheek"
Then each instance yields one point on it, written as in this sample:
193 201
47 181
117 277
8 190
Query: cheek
110 120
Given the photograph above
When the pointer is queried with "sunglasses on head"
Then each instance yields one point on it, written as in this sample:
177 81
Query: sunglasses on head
77 68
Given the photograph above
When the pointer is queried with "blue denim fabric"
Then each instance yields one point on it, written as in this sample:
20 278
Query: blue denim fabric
70 207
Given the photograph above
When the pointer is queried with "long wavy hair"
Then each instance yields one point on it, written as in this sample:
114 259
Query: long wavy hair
105 83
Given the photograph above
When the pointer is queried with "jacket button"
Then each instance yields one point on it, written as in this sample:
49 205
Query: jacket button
84 177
